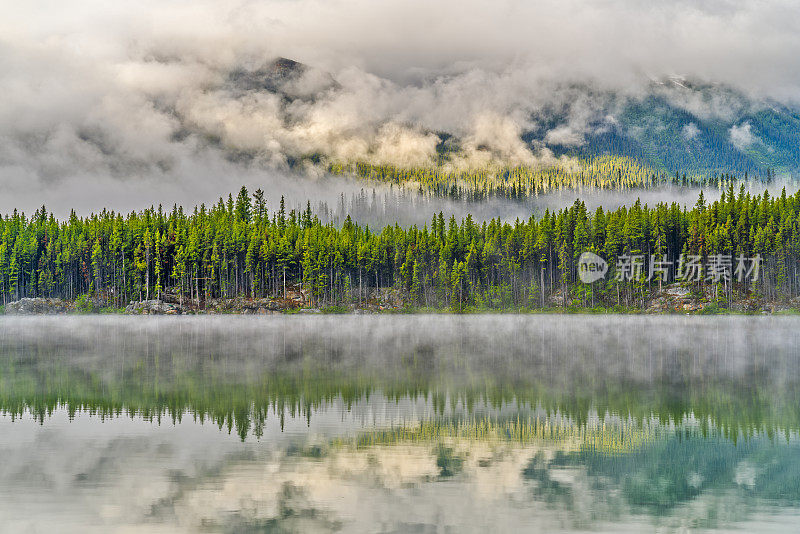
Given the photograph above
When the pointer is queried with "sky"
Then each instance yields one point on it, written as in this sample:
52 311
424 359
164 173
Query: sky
128 104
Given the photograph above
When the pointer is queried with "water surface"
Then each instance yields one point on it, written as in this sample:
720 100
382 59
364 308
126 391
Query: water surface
399 424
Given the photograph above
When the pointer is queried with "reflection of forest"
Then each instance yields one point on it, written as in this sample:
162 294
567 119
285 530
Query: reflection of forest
236 373
242 406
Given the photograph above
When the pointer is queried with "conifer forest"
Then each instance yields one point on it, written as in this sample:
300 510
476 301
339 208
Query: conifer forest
237 248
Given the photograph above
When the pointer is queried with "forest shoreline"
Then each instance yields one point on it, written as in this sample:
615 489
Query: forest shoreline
740 253
659 304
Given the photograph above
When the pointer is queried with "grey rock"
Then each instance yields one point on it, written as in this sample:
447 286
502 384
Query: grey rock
37 306
153 307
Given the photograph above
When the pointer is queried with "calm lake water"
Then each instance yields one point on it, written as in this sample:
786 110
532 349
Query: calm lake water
399 424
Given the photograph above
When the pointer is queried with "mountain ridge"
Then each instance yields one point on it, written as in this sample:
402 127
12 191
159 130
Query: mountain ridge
676 125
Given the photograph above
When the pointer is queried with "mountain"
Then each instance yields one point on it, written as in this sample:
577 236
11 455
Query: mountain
283 76
674 125
688 130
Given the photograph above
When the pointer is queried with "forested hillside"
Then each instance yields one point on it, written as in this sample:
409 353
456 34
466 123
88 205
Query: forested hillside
590 174
663 131
237 248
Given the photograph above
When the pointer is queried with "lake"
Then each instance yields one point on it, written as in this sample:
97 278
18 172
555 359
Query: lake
414 423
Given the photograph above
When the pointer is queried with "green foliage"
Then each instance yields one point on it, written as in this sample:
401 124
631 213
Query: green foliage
712 309
83 304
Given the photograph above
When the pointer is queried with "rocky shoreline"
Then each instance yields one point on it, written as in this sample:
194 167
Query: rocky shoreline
164 306
672 299
39 306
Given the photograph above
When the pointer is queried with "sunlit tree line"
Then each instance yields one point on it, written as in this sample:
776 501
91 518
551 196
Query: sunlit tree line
605 172
237 248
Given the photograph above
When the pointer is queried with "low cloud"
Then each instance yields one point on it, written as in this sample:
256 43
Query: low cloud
742 136
690 131
141 92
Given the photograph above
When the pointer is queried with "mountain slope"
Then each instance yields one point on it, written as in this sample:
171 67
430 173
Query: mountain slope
674 125
661 131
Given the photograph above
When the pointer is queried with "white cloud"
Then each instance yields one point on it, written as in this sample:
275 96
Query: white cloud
134 89
742 136
690 131
564 136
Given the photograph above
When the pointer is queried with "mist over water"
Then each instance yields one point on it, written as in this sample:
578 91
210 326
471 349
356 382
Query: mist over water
326 423
638 348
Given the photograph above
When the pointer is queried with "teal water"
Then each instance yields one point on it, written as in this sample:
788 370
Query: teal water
399 424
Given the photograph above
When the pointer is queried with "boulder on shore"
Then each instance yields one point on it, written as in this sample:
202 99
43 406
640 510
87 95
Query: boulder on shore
37 306
153 307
